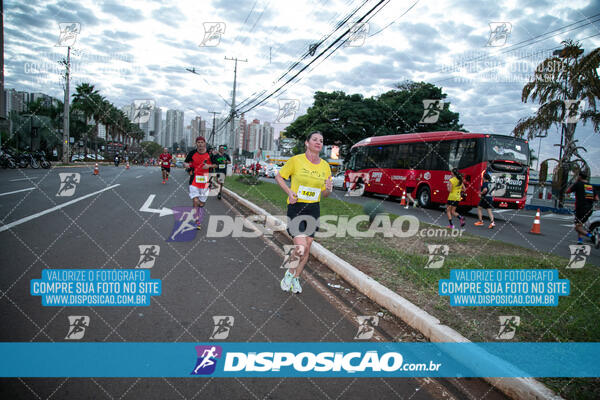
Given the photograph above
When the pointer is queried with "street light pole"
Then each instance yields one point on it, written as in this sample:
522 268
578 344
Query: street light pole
66 109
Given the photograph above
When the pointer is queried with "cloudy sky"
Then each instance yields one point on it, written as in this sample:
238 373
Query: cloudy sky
141 49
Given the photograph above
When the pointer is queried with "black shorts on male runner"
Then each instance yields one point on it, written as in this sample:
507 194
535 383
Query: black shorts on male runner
582 214
409 189
453 203
168 169
303 219
485 202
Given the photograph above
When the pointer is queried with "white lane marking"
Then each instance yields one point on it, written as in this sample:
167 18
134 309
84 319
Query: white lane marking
58 207
139 176
23 179
146 207
17 191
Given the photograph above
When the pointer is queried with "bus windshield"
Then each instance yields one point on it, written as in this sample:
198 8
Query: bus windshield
507 148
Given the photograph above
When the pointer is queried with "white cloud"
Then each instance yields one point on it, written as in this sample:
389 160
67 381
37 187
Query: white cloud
142 49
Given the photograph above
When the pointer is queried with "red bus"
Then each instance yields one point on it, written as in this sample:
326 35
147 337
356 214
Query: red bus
387 160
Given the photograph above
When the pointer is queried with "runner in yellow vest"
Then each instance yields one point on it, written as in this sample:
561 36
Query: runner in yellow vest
455 187
311 179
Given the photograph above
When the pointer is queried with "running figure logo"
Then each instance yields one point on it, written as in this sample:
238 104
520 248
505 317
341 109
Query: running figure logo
579 253
357 35
292 255
214 181
148 254
572 111
499 33
508 326
68 183
287 110
431 111
185 228
77 325
223 324
366 326
212 34
357 183
142 110
68 34
207 359
437 255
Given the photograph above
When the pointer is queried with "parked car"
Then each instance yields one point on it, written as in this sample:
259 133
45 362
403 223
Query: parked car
273 170
179 164
338 181
593 226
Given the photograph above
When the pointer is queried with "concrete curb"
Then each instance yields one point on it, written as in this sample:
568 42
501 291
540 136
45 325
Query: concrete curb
428 325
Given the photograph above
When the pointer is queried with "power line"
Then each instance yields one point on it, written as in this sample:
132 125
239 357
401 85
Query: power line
339 39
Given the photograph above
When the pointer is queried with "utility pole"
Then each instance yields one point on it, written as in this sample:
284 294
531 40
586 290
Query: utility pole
233 99
66 108
212 135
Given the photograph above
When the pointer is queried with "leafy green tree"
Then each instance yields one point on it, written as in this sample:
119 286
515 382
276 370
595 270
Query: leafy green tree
346 119
152 149
403 109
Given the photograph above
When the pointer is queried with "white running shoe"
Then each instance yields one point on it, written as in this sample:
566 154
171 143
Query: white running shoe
296 288
286 282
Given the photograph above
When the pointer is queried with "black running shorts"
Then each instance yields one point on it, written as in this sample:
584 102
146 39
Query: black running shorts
303 219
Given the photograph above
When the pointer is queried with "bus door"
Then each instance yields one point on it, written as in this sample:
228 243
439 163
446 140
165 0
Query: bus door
508 166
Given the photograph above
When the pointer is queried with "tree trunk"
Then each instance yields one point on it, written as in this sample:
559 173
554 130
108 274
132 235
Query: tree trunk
568 152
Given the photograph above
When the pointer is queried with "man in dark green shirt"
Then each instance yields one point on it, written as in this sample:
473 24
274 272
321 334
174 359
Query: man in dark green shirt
221 159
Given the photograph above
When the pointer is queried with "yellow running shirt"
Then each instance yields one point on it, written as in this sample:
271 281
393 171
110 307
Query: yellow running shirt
308 179
456 189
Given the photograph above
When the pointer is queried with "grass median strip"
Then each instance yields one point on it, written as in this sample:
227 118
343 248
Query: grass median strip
399 263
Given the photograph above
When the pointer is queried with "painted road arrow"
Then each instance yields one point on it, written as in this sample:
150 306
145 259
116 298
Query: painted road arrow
162 212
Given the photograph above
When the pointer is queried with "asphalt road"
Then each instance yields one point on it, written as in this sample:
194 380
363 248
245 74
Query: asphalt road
101 225
512 226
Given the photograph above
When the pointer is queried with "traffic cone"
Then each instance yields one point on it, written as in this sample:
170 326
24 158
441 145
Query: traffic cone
127 167
536 224
403 201
96 170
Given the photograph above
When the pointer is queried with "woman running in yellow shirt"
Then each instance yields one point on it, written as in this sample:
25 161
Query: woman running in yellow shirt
455 187
311 179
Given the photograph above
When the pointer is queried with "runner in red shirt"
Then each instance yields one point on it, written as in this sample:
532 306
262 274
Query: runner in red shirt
165 164
198 163
411 184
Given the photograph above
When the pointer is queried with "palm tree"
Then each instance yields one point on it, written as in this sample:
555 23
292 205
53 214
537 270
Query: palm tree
85 100
568 75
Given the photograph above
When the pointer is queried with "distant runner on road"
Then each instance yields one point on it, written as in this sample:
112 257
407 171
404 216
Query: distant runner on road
311 178
198 164
584 204
485 202
221 159
455 187
165 164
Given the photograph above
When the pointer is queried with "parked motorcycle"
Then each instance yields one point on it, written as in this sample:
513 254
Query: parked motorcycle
41 158
25 159
6 160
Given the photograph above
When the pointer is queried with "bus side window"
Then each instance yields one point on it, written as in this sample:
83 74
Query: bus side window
402 155
468 148
441 156
419 156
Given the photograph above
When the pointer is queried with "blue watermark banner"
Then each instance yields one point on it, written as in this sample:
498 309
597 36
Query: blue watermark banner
504 287
95 287
299 359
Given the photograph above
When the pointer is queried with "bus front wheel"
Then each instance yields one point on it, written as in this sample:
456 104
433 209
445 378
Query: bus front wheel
424 197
